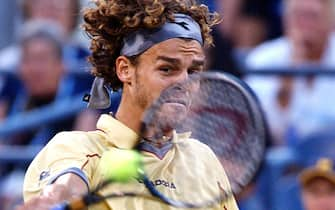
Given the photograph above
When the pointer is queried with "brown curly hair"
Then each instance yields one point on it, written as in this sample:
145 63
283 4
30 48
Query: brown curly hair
109 22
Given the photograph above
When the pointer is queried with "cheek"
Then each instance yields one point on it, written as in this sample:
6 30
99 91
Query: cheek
159 87
153 91
154 84
28 76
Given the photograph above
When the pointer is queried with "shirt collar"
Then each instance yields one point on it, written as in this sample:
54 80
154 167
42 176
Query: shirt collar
122 136
117 133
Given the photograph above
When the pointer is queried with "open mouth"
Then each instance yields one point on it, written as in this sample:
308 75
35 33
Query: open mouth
183 102
177 101
177 94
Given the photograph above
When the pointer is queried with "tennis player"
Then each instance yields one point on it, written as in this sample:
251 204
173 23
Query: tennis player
142 47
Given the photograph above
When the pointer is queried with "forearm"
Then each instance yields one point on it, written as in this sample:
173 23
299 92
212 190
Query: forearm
66 187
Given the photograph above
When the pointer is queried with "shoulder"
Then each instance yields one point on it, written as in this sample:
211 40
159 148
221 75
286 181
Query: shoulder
269 54
77 139
71 146
68 152
192 147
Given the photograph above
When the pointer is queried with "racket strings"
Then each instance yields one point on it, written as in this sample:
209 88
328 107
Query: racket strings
221 114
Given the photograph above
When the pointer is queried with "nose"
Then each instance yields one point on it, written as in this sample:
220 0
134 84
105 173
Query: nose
187 83
183 76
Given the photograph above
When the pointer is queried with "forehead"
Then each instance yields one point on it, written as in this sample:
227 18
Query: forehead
40 45
179 48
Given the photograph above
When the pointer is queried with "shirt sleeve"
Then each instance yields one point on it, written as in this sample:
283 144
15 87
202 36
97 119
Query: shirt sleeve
224 184
67 152
230 203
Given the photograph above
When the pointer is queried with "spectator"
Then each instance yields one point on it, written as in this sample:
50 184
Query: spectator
220 56
318 186
293 106
66 14
239 31
63 12
250 28
40 70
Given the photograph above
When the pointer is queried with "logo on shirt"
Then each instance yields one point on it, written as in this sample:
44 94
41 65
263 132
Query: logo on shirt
43 175
161 182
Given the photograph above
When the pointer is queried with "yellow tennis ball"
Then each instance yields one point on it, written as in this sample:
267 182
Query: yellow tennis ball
120 165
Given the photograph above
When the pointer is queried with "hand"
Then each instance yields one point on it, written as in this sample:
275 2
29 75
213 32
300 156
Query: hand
41 203
51 196
57 193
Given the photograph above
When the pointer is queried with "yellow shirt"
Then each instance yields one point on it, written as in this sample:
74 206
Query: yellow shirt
188 170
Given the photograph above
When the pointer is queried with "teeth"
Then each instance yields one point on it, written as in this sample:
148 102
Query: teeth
178 102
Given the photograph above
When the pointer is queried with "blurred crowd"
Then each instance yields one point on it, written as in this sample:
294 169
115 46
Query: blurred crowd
258 41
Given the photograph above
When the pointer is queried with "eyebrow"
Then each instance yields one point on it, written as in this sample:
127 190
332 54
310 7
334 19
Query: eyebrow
176 61
198 63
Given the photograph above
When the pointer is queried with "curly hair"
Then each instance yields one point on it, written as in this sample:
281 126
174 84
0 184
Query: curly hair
111 20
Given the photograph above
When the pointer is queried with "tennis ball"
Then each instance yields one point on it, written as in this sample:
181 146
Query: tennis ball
120 165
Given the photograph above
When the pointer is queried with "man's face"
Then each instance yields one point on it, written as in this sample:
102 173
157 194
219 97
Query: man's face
164 64
319 194
308 20
41 67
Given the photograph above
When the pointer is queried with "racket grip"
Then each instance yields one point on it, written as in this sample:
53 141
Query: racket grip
74 205
62 206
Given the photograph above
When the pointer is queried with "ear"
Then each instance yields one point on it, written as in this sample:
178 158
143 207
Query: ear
124 69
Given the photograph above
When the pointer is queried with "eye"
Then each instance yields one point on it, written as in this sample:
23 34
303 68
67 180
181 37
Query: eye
166 69
193 71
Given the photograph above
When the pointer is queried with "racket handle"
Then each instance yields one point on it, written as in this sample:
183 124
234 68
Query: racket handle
75 204
63 206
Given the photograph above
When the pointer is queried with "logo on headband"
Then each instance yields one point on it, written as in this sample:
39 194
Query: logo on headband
183 24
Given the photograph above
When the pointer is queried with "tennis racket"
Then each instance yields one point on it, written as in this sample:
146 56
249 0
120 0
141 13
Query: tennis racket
227 129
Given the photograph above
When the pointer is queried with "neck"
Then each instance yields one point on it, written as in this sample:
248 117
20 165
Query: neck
129 114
